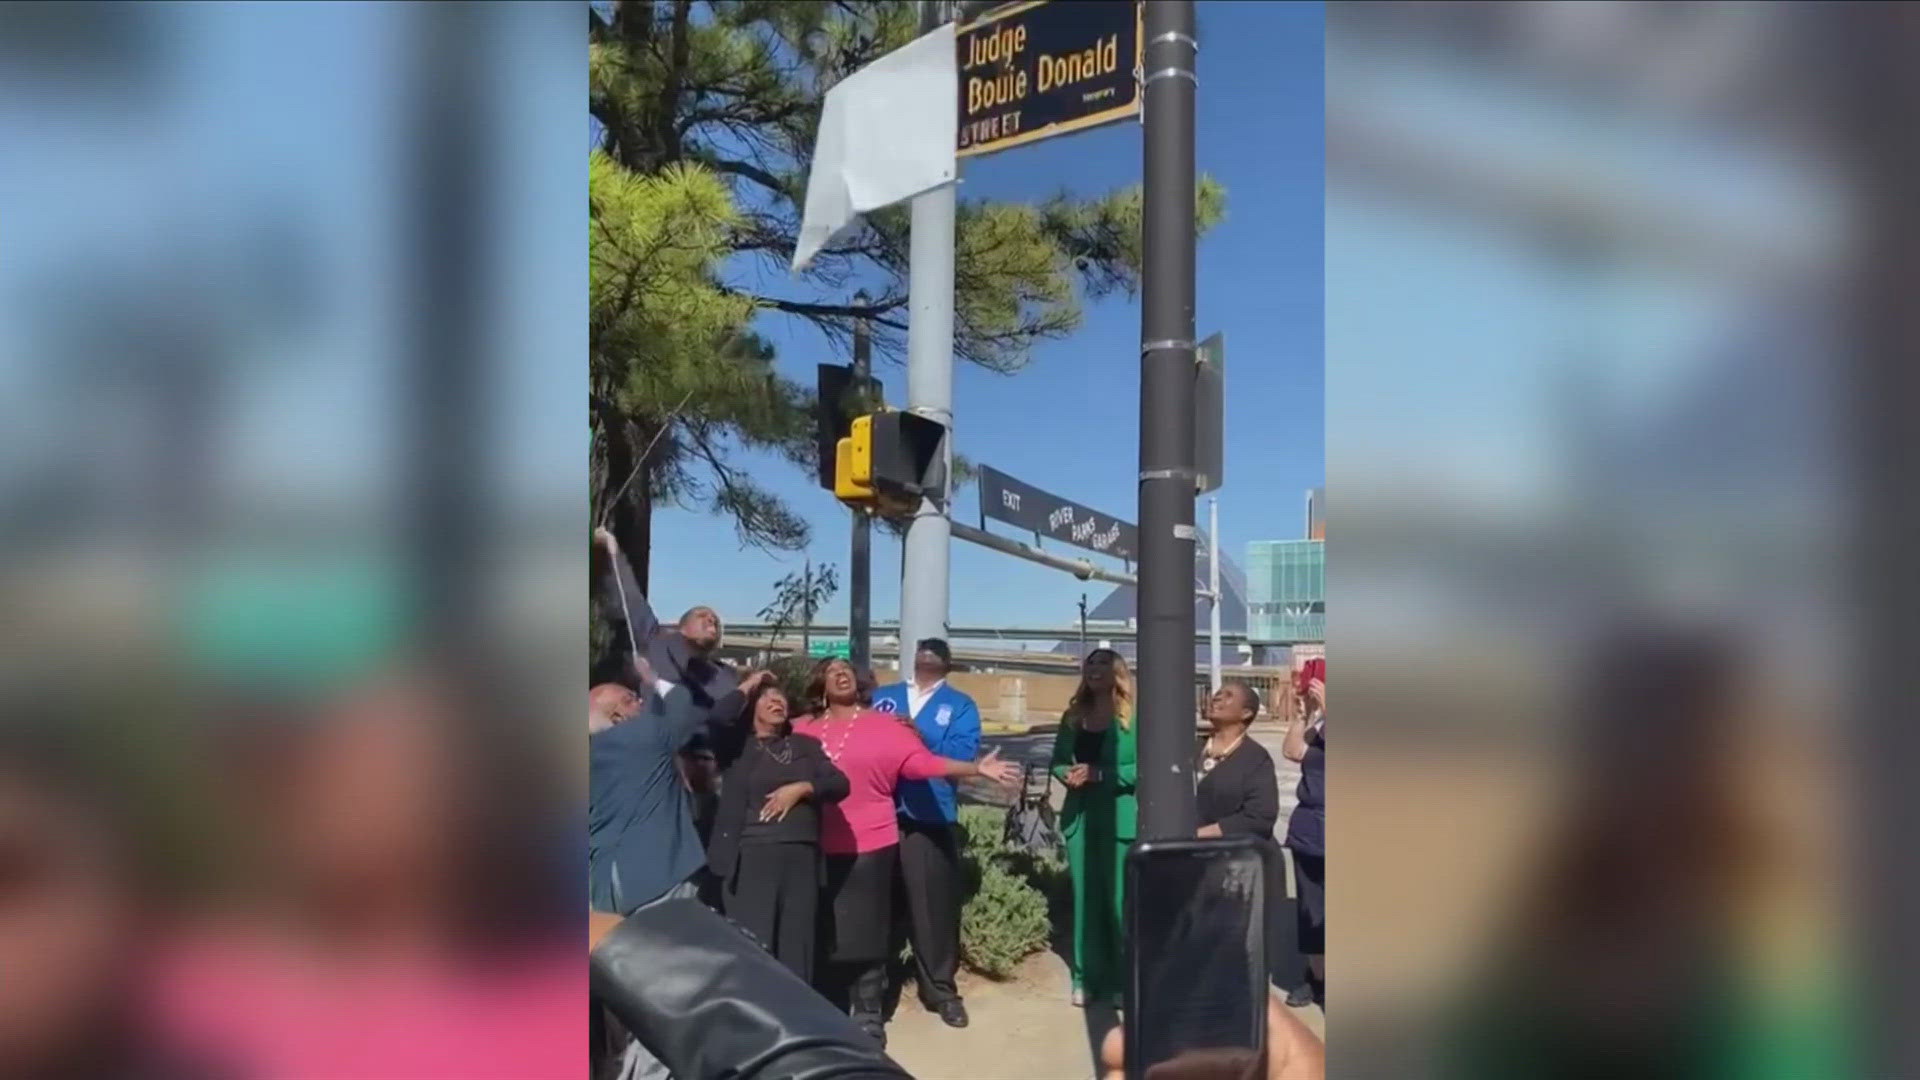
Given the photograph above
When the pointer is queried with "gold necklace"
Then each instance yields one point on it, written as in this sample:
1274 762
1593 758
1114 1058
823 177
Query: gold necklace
1208 759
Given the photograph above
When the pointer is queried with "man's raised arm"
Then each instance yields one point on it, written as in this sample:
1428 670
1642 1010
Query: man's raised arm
642 626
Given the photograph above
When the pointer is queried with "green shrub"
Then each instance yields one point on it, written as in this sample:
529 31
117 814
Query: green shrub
1013 900
981 828
1003 922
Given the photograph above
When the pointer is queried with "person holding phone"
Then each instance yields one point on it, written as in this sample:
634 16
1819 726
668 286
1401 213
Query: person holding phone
1094 756
1306 743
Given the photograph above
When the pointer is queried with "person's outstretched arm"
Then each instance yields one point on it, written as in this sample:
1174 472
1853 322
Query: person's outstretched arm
642 625
729 1008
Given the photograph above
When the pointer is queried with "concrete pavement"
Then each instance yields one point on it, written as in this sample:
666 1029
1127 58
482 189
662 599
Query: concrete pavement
1025 1028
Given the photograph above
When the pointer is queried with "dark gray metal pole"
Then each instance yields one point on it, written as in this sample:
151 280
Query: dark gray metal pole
860 562
1165 677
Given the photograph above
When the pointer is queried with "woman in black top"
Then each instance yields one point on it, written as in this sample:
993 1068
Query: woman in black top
1239 793
765 850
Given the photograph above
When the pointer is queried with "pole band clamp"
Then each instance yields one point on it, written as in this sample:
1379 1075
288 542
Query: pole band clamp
1162 346
1175 35
1168 474
1172 72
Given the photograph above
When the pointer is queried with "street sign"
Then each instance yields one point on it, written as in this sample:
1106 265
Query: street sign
1210 414
1028 71
821 648
1005 499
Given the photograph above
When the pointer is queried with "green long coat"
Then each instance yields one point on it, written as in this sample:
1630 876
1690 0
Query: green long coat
1098 822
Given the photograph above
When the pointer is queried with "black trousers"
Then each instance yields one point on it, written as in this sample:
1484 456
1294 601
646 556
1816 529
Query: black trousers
856 913
927 912
775 894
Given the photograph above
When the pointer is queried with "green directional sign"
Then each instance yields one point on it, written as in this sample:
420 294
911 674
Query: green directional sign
820 648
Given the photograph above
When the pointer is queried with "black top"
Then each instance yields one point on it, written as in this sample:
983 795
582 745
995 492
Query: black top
1307 828
768 764
1242 793
1087 746
750 776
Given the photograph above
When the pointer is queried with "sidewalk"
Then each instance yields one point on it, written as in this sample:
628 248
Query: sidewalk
1021 1029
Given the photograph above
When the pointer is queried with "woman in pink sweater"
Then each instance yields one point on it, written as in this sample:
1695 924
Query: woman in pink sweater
858 834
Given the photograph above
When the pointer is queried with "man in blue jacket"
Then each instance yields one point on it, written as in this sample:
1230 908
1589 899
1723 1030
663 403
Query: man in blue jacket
949 723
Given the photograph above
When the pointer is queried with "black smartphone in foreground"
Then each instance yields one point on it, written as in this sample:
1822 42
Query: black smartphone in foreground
1196 1000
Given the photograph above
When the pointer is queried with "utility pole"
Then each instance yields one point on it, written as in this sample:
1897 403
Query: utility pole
923 576
806 608
1083 626
860 560
1213 584
1167 476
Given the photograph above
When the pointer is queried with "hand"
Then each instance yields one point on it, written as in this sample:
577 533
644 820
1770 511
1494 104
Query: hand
754 681
1078 775
1294 1052
1208 832
1001 772
784 798
1317 692
645 671
599 925
604 537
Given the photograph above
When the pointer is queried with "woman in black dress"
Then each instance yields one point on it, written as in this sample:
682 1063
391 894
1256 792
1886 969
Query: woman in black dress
765 847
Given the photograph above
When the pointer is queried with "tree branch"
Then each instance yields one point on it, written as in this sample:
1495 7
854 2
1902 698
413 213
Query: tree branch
838 311
751 172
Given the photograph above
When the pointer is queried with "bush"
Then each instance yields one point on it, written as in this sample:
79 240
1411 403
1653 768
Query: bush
1013 900
1003 922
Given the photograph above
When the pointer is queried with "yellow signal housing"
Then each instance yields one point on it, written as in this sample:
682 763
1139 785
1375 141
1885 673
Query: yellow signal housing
853 463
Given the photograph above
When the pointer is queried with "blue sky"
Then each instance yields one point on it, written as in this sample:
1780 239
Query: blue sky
1069 422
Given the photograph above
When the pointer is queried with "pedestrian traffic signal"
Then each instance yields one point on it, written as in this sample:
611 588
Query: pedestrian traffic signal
841 398
889 461
908 457
853 463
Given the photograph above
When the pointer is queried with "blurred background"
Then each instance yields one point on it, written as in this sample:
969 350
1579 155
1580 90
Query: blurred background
292 347
1600 383
1618 385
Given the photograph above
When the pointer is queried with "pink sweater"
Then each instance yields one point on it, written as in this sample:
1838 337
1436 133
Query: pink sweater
876 751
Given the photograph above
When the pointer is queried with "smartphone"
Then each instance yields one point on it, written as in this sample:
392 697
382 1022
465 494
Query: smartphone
1196 998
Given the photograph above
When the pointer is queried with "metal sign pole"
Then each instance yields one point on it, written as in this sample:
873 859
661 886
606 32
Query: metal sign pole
924 554
1213 583
1165 705
860 559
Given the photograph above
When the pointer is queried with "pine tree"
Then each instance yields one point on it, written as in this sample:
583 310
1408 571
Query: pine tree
704 114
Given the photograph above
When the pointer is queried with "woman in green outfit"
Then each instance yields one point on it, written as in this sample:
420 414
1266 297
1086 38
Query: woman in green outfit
1094 756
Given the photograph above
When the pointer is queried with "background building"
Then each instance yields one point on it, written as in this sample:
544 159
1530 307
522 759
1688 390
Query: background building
1287 584
1286 591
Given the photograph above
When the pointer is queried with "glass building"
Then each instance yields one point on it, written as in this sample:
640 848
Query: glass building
1286 591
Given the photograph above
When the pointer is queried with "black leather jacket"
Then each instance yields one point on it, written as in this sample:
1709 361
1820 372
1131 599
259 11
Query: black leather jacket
711 1004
